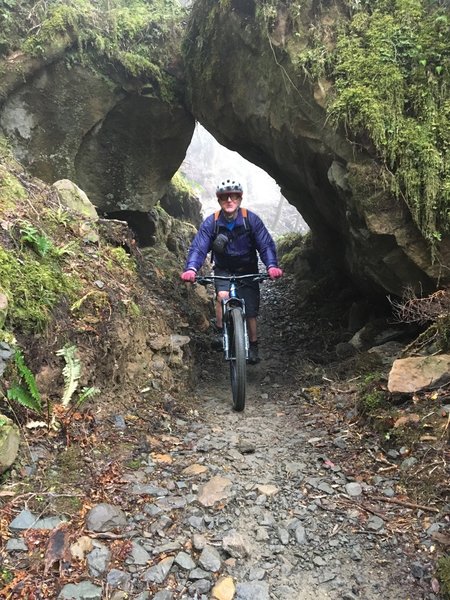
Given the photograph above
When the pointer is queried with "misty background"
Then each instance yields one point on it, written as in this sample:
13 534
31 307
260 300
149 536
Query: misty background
207 163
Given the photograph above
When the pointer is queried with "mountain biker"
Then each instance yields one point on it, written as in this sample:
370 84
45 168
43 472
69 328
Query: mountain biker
235 236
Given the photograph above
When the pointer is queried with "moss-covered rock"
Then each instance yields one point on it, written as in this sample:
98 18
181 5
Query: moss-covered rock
279 100
9 442
94 96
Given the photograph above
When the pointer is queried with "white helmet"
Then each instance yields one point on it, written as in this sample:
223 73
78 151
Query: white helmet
229 186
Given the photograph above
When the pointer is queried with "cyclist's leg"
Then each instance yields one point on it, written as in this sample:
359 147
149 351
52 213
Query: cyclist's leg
252 329
251 294
222 292
220 295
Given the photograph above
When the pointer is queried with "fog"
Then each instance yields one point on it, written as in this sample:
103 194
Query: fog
207 163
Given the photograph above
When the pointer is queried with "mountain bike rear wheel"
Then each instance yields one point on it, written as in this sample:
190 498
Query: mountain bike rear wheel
238 363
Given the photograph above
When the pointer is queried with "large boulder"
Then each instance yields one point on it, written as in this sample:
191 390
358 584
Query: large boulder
260 104
120 144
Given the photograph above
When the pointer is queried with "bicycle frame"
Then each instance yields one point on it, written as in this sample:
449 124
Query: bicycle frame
233 301
235 335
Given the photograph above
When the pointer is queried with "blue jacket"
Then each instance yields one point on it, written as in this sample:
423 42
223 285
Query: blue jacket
240 254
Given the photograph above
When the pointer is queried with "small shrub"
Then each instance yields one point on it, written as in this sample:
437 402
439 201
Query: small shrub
443 574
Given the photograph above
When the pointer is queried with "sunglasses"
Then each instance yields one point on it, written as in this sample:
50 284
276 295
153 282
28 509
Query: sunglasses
227 197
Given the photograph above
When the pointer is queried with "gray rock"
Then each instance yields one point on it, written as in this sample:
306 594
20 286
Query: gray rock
325 487
184 560
283 534
119 422
118 579
159 572
26 520
256 574
98 560
16 545
326 576
235 544
81 591
353 489
140 489
252 591
375 523
201 586
171 502
198 541
210 559
198 574
300 535
163 595
408 463
138 555
105 517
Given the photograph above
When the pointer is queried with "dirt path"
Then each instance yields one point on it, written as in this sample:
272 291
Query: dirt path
304 535
289 500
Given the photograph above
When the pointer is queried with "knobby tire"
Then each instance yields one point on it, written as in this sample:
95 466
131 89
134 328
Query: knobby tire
238 363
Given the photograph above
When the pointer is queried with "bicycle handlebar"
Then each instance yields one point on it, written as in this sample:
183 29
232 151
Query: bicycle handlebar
205 280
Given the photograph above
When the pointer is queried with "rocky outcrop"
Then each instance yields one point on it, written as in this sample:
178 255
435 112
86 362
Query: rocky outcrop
119 141
9 442
257 103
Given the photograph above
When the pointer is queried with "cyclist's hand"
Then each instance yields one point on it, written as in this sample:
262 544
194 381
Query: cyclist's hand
274 272
189 275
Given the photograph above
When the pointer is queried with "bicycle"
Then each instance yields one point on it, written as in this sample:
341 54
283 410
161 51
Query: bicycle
235 336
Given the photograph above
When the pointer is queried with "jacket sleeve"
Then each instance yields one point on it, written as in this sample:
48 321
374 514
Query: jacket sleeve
263 241
201 245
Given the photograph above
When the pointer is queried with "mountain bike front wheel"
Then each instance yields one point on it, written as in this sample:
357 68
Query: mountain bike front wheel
238 363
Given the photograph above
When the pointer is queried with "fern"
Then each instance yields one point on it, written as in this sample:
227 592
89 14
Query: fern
19 394
86 393
27 395
39 241
71 372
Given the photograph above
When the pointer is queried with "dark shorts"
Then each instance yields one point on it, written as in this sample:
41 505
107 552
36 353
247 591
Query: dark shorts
248 291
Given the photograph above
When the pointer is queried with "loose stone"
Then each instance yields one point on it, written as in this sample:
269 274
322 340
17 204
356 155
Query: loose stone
159 572
224 589
84 590
105 517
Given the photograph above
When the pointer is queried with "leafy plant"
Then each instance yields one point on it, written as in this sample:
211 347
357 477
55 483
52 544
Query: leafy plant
443 573
87 392
71 372
39 241
25 391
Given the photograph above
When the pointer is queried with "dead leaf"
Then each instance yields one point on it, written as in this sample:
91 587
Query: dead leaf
435 585
401 421
441 538
57 549
162 458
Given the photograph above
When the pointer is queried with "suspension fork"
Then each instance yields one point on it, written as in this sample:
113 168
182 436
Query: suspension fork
227 305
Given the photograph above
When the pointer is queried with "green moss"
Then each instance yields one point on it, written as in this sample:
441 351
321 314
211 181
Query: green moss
182 185
33 287
11 189
443 573
120 257
391 68
390 65
138 36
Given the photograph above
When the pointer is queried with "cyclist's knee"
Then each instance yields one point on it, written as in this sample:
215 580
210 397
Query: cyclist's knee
222 295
